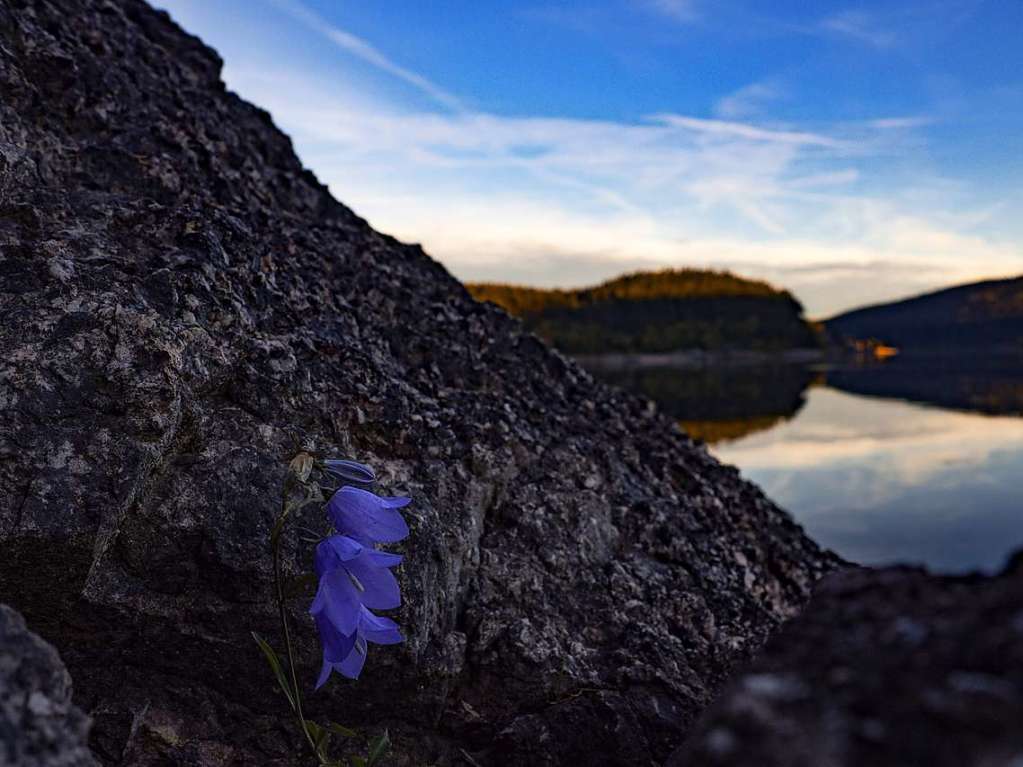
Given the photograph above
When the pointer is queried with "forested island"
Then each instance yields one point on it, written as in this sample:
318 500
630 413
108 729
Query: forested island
660 311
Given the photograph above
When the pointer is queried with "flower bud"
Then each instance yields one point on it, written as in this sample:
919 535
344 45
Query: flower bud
301 466
350 471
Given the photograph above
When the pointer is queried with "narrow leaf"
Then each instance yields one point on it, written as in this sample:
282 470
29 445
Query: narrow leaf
275 665
341 730
379 749
320 736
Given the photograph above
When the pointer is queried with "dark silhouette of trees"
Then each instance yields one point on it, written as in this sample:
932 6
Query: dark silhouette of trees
659 311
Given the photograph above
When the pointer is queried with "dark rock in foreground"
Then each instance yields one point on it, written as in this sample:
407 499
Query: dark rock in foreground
39 726
178 298
884 668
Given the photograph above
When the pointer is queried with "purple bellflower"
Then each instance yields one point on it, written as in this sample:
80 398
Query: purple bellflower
355 578
352 574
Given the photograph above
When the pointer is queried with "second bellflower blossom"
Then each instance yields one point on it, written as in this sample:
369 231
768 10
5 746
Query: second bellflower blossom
352 574
353 578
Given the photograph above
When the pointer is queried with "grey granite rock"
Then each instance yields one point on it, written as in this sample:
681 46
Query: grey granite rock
179 297
39 726
885 668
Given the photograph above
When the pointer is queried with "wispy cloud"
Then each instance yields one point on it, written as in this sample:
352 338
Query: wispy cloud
363 50
900 123
860 26
750 132
563 201
749 101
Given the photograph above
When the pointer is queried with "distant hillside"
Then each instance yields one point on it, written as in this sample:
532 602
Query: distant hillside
659 312
980 316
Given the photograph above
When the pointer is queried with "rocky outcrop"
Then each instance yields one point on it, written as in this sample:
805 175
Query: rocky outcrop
39 726
181 300
886 668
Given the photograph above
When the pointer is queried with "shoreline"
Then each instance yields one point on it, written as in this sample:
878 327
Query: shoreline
699 358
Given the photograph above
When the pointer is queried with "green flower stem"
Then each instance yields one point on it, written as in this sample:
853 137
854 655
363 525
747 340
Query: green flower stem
275 544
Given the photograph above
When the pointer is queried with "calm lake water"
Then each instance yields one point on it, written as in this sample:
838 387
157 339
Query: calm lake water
919 464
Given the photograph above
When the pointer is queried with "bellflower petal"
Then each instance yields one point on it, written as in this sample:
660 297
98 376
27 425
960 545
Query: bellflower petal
378 629
371 629
337 598
363 515
325 670
325 559
351 666
336 645
379 586
344 547
383 558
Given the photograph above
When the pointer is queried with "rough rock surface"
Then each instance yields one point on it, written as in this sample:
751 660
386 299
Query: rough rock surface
886 668
39 726
178 298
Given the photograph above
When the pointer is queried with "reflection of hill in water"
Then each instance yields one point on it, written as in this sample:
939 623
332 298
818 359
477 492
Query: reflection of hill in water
727 402
983 385
719 403
729 430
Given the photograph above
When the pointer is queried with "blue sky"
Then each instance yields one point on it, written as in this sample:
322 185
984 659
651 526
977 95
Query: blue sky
851 152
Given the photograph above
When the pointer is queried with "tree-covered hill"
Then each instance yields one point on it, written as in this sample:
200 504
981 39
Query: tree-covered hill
981 316
659 311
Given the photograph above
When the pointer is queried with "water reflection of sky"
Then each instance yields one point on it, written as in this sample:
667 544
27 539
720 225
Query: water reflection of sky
882 481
